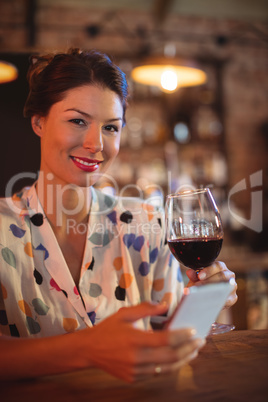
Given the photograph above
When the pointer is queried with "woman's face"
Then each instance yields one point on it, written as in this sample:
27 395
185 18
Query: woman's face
80 135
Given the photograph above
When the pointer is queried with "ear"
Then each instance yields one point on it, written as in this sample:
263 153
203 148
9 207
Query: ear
37 124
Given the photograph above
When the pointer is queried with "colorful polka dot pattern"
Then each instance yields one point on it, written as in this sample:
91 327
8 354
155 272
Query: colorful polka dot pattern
124 263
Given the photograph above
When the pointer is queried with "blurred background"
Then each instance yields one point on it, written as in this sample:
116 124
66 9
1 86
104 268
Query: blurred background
212 132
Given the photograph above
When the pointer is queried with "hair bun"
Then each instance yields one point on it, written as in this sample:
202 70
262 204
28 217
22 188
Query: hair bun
37 65
51 75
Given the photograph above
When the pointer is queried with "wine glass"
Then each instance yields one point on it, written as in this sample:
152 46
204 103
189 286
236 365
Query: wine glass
195 233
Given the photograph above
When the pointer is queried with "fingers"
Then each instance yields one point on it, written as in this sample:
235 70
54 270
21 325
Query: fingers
210 271
150 339
177 338
132 354
220 276
217 269
192 275
127 315
170 355
232 299
165 338
216 272
168 360
149 370
171 339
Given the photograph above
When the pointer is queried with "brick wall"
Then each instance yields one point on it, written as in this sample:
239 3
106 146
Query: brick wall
243 45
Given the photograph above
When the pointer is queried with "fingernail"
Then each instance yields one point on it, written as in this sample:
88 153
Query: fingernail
200 342
193 332
202 275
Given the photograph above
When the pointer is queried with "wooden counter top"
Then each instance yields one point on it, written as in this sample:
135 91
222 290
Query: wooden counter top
231 367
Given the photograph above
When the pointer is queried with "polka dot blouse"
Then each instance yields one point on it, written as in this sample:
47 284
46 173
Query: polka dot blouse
126 261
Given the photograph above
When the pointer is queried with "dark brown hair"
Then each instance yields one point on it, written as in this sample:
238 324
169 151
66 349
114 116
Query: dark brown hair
51 75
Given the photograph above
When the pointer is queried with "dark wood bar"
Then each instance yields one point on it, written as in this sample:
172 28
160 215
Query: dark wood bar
231 367
212 133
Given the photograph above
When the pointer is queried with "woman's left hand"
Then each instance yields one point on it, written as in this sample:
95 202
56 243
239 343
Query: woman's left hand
216 272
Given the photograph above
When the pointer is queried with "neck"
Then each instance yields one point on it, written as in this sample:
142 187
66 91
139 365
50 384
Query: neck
63 203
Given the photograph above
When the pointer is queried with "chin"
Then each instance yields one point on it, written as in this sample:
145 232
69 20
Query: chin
87 181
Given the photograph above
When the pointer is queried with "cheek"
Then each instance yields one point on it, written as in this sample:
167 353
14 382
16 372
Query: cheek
59 141
111 148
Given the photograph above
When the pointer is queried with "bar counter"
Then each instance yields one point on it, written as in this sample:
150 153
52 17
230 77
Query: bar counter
231 367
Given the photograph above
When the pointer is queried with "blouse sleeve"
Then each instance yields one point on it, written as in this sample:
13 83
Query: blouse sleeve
167 282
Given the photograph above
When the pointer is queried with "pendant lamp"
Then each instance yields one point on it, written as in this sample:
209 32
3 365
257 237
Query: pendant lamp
168 73
8 72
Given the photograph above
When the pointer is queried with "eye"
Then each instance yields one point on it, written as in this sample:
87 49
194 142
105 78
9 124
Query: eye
78 122
112 128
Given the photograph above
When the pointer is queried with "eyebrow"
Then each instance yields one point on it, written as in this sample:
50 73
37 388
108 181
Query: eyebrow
89 116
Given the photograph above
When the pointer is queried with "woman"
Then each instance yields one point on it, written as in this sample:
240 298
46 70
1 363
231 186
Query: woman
76 262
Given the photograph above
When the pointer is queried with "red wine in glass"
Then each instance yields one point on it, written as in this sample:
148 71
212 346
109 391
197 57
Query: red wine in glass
196 253
195 232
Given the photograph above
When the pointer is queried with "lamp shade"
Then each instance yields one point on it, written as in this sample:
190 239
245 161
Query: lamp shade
168 74
8 72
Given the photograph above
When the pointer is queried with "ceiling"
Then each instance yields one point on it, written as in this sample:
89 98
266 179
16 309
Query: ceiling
132 27
233 9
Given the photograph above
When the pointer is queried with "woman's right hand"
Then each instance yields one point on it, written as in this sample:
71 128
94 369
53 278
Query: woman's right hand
120 349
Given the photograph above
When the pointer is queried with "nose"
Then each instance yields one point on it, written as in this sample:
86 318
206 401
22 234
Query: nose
93 140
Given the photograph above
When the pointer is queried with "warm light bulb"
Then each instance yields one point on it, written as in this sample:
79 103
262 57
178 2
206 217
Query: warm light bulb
169 80
8 72
168 77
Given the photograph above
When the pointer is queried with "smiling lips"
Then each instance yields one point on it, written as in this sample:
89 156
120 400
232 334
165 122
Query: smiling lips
88 165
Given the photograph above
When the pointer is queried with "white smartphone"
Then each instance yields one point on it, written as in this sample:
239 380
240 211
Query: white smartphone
200 306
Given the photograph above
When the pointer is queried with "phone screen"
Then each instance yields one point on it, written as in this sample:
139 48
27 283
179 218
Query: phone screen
200 307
